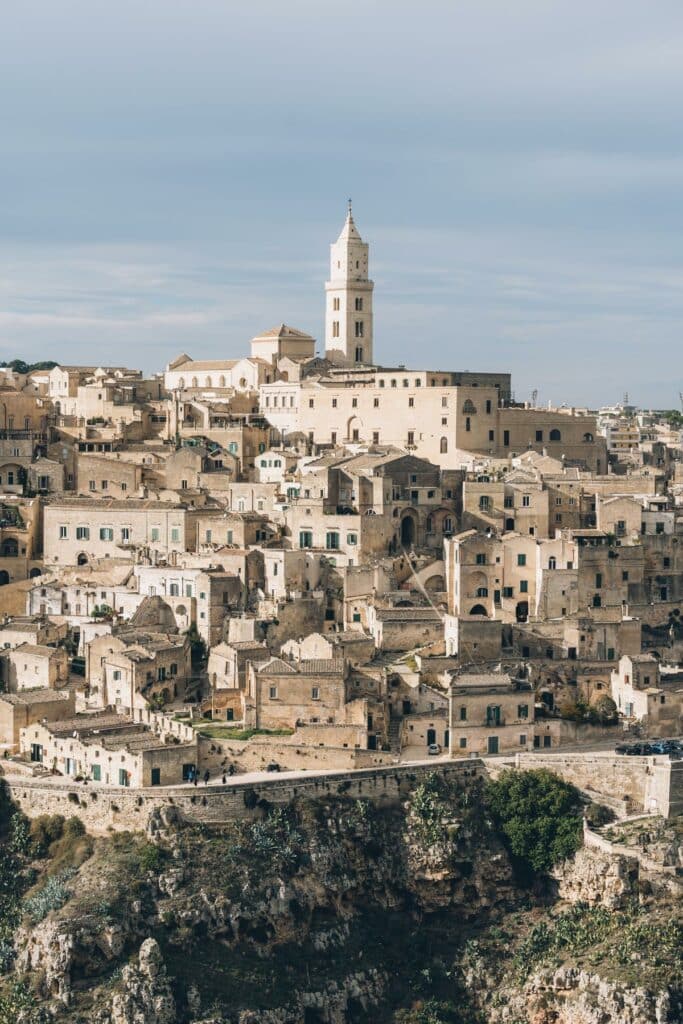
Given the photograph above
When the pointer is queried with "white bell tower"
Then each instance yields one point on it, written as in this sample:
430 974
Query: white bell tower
348 311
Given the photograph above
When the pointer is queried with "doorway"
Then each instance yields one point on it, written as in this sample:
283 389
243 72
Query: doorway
493 744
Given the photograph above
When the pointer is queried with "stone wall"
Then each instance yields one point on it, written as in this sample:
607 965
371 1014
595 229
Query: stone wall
627 784
104 809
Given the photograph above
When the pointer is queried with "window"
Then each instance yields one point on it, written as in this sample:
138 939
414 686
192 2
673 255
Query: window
462 742
125 533
352 538
334 403
116 675
508 591
481 558
155 534
354 403
359 328
411 403
82 533
523 711
63 532
482 591
272 692
359 304
411 437
208 536
624 576
526 500
335 303
335 328
484 503
666 562
521 559
444 401
104 485
558 501
598 580
443 446
555 435
333 437
552 563
92 485
463 714
506 438
524 586
375 437
488 405
315 693
305 539
175 534
332 540
106 533
539 435
96 772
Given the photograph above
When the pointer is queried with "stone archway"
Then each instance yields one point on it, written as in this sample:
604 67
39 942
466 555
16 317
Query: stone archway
82 559
408 528
479 609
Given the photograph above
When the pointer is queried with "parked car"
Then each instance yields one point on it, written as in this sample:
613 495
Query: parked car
434 748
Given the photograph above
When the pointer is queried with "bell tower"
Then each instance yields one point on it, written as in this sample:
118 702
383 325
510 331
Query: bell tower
348 294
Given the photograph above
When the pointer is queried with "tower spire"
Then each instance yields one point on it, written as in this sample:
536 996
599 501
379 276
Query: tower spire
348 315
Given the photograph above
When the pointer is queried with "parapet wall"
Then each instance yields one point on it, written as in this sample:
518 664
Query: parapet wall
104 809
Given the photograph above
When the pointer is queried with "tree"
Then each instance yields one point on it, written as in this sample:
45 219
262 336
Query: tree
539 816
429 1011
604 711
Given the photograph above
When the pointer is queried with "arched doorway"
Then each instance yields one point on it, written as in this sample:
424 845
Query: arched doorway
34 572
522 611
4 578
431 737
408 529
82 559
478 609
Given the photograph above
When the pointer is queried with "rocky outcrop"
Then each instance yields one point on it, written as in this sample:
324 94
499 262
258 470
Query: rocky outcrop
598 879
145 996
573 996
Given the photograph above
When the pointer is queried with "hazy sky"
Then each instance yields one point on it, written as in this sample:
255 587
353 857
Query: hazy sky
173 171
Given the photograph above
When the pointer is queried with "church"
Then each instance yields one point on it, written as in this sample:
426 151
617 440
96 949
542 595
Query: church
453 418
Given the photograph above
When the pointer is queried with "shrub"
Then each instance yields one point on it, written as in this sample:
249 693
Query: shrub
52 896
431 1011
539 816
45 830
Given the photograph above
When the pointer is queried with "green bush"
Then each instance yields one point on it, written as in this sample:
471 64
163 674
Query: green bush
539 816
45 830
431 1011
52 896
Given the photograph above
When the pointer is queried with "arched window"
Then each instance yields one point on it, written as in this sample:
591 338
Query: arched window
443 445
588 438
181 382
484 502
195 382
447 525
207 382
555 435
430 524
552 563
221 381
482 592
469 408
597 601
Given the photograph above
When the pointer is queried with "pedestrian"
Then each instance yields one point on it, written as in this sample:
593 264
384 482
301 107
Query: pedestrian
224 778
206 777
195 777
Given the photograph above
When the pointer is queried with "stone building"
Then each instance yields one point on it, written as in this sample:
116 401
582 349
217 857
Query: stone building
489 714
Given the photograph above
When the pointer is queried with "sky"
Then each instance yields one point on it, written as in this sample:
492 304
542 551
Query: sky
172 173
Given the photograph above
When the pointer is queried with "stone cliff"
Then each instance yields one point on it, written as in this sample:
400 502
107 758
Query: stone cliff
334 912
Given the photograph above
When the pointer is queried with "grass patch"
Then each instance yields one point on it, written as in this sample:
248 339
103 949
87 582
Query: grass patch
216 731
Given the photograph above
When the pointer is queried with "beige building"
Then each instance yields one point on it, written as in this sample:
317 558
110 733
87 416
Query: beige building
77 531
490 714
283 695
34 666
144 749
19 710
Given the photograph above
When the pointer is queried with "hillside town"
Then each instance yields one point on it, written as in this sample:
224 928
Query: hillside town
303 560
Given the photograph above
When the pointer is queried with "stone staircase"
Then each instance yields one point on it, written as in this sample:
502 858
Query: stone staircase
395 734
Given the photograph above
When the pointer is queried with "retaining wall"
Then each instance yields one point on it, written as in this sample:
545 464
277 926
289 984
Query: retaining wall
104 809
